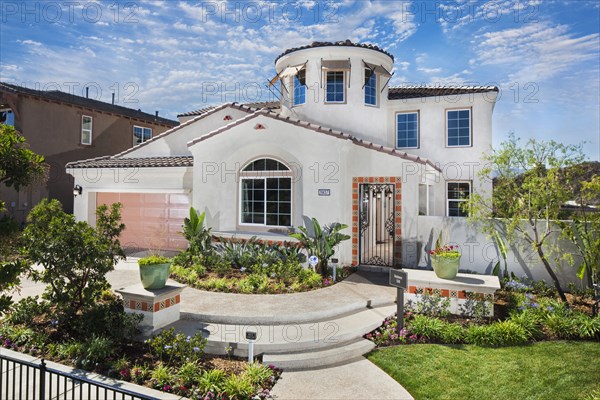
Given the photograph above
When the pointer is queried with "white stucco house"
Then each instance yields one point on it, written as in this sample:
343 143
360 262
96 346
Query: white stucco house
340 145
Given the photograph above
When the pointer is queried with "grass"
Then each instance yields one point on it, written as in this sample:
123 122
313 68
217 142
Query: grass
544 370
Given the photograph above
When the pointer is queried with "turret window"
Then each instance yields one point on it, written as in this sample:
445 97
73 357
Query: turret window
370 87
335 87
299 87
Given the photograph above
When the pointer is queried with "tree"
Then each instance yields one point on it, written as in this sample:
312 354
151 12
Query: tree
75 256
19 167
528 195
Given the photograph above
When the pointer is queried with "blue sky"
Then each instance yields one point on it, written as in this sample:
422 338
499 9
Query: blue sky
177 56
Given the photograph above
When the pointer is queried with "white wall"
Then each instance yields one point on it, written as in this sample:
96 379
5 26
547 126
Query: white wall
319 161
456 163
353 116
480 254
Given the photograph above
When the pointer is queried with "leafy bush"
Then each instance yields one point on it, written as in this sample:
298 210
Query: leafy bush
108 319
478 309
258 374
561 326
189 373
427 327
161 376
153 260
321 242
170 347
238 387
96 351
503 333
26 310
211 381
427 304
588 328
530 321
452 333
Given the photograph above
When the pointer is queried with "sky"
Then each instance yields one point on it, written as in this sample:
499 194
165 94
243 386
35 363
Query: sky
177 56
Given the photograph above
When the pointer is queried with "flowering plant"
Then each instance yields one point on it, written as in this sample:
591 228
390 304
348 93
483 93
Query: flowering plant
446 251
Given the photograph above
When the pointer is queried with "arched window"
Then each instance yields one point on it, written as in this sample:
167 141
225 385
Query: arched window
266 193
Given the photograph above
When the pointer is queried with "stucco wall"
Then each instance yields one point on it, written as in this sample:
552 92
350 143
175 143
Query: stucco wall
480 254
319 161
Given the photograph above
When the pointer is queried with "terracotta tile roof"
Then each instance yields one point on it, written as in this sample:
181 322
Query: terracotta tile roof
271 105
346 43
413 92
84 102
141 162
320 129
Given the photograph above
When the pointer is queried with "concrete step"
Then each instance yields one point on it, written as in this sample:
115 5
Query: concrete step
273 339
340 354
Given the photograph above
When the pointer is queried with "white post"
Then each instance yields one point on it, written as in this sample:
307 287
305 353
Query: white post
250 351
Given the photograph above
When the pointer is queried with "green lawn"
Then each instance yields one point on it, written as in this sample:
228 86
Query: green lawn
545 370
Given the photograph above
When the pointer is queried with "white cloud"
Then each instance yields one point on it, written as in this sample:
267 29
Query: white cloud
29 42
429 70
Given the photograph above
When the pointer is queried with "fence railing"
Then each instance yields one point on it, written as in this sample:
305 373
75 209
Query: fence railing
20 380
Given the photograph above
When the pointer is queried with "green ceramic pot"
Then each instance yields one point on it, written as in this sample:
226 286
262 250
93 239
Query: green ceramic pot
154 276
444 267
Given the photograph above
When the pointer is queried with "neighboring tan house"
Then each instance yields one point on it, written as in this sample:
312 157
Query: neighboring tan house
63 128
340 146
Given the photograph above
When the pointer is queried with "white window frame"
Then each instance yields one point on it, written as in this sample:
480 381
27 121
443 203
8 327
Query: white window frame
448 199
470 127
418 129
87 130
142 128
343 85
376 75
264 175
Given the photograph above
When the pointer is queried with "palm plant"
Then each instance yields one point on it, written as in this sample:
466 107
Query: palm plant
197 234
321 242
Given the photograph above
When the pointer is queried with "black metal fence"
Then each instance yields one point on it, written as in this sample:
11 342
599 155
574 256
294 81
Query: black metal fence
24 380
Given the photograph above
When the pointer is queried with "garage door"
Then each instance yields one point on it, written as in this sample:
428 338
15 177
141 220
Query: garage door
152 220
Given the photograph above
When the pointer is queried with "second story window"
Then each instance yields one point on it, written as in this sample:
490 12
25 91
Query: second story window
299 86
86 129
458 128
141 134
370 87
407 130
335 87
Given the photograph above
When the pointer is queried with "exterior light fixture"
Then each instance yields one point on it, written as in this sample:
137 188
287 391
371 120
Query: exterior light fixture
77 190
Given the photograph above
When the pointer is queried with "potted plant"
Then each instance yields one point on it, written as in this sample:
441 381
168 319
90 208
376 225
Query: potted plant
445 259
154 271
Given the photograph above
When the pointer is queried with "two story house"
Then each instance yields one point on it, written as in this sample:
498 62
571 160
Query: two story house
340 146
64 128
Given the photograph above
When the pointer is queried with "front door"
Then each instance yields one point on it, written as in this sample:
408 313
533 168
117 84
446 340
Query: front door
377 225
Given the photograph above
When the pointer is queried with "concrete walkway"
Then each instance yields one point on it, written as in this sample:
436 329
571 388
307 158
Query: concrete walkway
358 380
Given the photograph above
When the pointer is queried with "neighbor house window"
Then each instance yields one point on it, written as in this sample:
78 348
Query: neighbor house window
458 195
370 87
86 129
266 193
407 129
7 117
299 85
141 134
335 87
459 127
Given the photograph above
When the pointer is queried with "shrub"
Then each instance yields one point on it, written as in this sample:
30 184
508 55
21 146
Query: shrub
211 381
238 387
153 260
561 326
427 304
452 333
26 310
503 333
588 328
96 351
258 374
310 278
170 347
427 327
530 321
189 373
161 376
107 319
474 308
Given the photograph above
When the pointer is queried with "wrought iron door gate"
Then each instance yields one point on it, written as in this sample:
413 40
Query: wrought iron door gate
377 224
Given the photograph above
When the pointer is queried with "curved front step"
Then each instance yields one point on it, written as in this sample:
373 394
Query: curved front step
294 337
271 339
320 358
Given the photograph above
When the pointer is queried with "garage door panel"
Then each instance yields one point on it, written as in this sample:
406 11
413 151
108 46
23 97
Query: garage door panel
152 220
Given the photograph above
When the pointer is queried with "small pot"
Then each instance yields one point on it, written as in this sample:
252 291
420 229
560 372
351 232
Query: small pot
444 267
154 276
